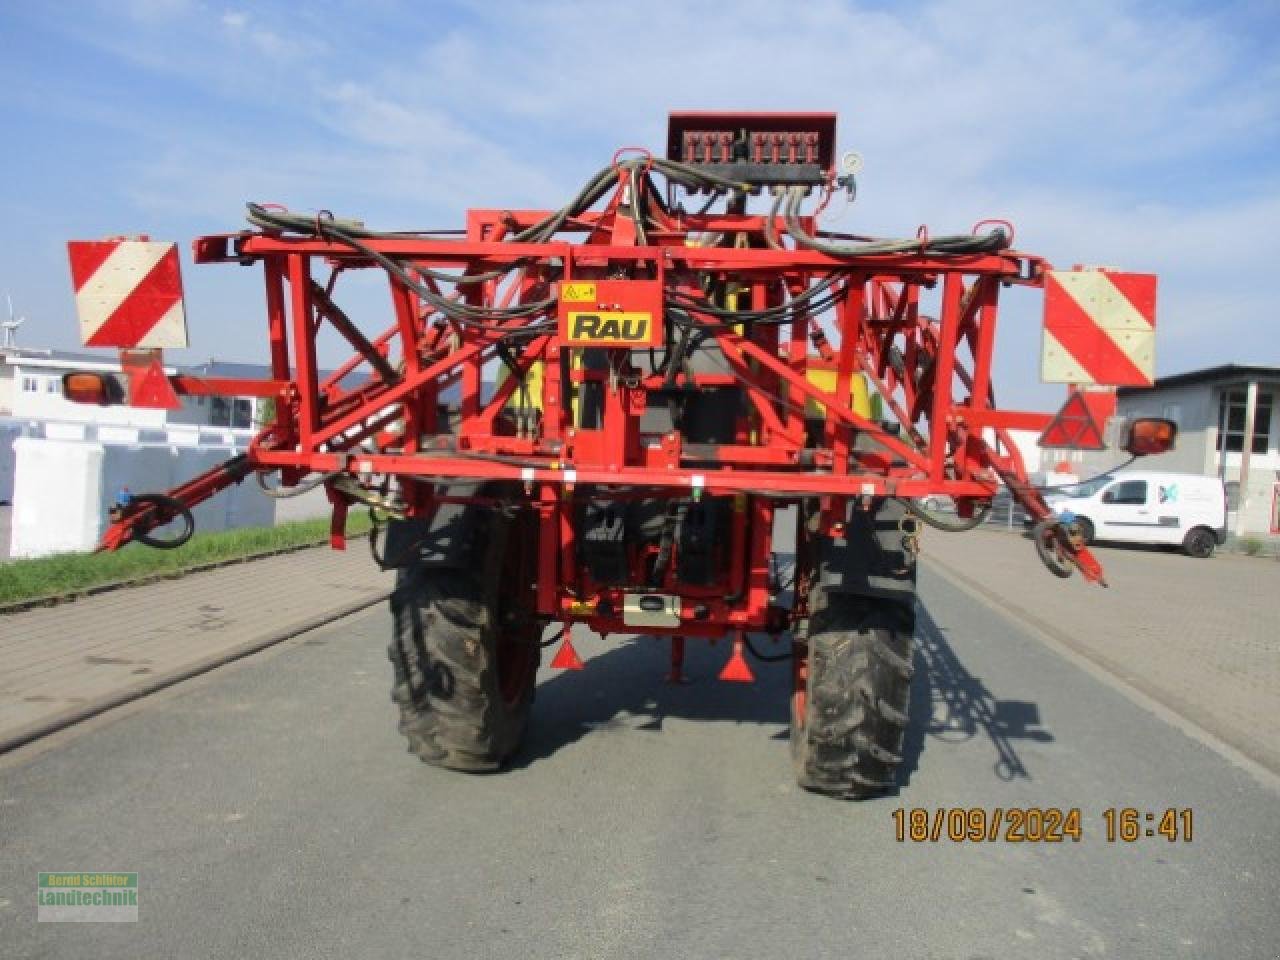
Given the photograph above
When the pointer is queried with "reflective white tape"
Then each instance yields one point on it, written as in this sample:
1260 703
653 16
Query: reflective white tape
169 330
1057 365
1098 297
122 271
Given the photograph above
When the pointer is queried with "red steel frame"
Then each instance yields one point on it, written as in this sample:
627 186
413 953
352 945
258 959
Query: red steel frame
933 373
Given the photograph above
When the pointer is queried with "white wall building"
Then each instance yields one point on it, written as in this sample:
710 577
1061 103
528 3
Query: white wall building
63 463
1228 426
31 389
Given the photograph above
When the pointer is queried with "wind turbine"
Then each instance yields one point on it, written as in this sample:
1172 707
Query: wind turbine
10 325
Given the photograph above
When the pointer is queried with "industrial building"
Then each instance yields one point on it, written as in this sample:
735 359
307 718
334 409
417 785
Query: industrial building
81 455
1228 428
31 389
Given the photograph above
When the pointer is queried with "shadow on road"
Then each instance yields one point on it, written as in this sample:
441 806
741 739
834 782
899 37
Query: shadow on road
950 705
625 689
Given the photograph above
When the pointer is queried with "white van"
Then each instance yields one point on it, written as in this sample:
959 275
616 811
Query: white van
1145 506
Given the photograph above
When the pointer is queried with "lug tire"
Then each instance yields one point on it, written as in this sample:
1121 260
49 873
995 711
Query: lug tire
849 721
464 670
1199 543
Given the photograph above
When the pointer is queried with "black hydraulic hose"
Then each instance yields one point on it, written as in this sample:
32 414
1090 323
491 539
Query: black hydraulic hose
992 241
168 509
353 234
266 219
980 515
637 213
553 639
960 525
770 228
651 191
711 202
305 486
497 319
684 173
459 312
544 229
764 657
814 300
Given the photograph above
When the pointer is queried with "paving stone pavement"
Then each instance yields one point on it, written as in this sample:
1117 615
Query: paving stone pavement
58 660
1202 637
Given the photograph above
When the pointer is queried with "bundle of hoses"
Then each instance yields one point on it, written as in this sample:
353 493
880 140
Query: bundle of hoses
498 319
959 244
684 307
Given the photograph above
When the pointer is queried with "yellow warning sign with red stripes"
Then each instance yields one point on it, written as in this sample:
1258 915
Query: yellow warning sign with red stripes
1099 328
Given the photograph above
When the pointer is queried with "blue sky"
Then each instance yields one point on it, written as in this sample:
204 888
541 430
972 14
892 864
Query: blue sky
1144 136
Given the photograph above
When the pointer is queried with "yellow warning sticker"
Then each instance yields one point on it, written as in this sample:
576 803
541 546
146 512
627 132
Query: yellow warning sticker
577 291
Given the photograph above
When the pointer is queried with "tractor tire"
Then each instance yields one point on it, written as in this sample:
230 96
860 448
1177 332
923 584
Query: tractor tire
849 710
465 660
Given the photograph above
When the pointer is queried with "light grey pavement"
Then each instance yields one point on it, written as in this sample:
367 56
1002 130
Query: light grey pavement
271 810
1200 636
308 506
56 661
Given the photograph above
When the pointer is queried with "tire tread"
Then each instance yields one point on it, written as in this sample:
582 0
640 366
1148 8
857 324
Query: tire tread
860 668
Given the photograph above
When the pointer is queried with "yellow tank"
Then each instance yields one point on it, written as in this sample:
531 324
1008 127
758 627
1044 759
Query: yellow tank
863 403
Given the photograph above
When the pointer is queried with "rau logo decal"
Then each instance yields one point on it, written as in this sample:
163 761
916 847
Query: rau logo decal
602 326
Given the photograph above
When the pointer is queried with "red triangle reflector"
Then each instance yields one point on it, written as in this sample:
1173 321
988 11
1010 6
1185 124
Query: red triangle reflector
1074 427
566 657
149 387
737 669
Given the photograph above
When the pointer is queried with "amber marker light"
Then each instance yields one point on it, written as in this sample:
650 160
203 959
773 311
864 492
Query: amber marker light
97 388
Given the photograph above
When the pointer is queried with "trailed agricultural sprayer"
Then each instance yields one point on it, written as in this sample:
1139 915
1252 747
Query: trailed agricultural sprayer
604 415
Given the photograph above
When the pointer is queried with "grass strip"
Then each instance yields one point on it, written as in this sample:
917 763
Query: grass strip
65 573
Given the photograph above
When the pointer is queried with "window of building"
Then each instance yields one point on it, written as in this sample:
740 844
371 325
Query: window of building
53 385
231 412
1128 492
219 411
1231 417
30 385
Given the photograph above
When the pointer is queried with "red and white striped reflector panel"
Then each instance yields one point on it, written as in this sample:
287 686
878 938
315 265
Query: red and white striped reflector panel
1099 328
128 293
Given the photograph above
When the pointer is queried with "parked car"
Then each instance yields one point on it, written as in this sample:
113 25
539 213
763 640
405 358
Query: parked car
1142 506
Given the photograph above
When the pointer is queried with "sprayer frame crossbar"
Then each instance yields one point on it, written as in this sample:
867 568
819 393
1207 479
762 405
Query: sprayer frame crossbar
932 373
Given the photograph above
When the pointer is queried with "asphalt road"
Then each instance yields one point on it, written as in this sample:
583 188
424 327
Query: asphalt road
271 811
